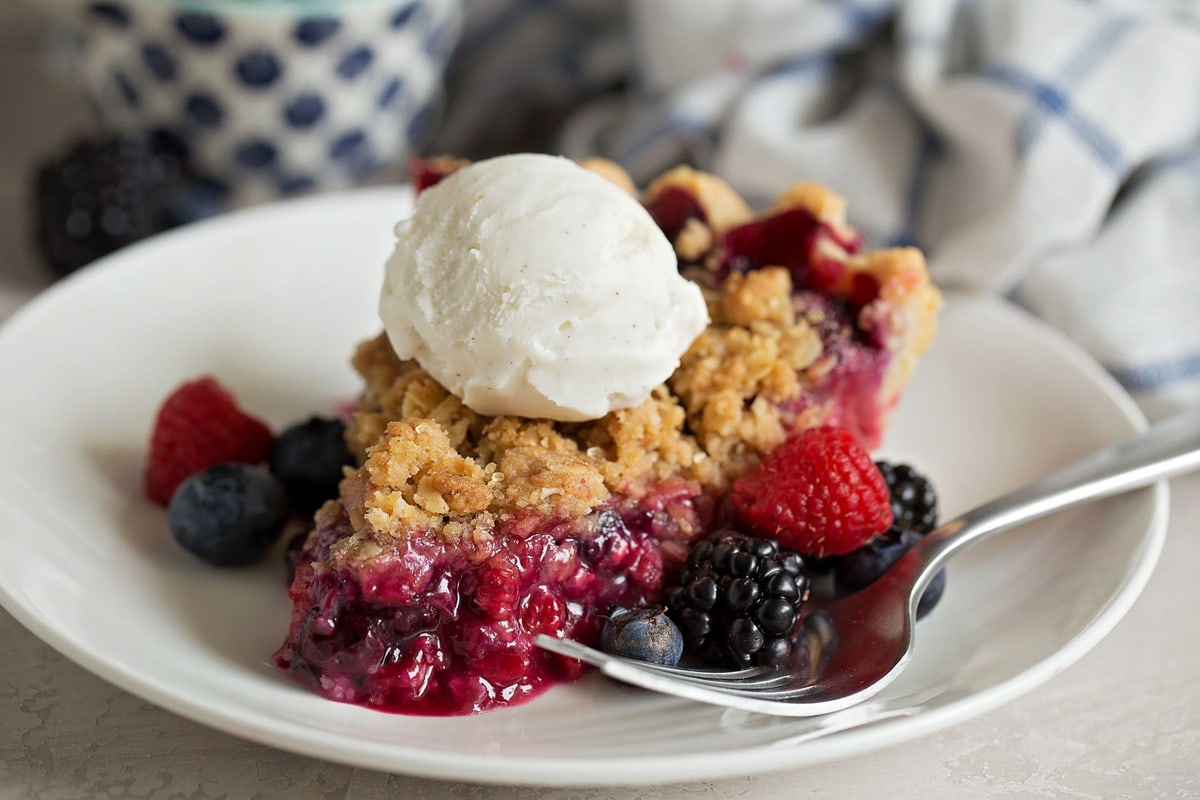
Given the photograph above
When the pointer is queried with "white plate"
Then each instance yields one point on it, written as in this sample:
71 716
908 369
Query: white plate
272 301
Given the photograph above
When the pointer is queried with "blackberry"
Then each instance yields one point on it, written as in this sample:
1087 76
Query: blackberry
738 600
860 568
914 501
103 194
308 458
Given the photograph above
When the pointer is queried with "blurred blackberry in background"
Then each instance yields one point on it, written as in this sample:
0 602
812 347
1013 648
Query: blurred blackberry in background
103 193
914 501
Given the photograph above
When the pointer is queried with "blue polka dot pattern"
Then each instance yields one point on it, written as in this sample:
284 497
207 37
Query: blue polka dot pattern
202 29
304 110
318 96
315 30
113 13
363 165
204 110
258 69
402 17
295 184
200 199
128 92
348 145
437 44
354 62
257 154
390 92
420 123
160 63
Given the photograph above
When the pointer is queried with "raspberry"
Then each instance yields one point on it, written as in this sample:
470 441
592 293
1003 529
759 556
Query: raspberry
426 173
199 425
818 493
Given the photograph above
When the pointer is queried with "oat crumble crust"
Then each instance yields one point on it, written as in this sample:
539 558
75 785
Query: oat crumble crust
431 463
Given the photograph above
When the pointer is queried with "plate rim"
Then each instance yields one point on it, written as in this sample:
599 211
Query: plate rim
559 771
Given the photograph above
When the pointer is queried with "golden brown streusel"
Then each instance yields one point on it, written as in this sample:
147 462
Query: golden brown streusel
693 241
723 207
395 389
432 463
611 171
415 478
736 374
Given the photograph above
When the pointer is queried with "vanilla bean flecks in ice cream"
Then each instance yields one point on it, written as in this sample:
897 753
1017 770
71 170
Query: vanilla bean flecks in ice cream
529 286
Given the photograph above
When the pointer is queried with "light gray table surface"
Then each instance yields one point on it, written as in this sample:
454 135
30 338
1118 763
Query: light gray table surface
1122 722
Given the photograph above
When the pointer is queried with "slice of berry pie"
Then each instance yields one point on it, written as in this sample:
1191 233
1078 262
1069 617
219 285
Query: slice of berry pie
462 535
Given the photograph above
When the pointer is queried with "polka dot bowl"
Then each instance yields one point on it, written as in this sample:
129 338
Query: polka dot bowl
269 97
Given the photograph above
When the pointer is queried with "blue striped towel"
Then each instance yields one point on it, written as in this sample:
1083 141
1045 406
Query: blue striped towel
1048 151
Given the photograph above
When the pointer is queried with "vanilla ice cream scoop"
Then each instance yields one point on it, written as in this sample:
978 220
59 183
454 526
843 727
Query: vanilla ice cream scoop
529 286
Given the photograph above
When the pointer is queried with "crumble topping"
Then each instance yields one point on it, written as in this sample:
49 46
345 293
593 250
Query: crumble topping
611 171
736 377
431 463
814 198
395 389
711 422
693 241
414 477
503 464
723 207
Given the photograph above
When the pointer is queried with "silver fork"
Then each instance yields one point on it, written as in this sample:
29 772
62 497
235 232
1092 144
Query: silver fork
858 644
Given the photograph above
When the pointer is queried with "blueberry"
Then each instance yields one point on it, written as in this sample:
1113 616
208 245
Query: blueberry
308 458
861 567
645 634
932 594
229 514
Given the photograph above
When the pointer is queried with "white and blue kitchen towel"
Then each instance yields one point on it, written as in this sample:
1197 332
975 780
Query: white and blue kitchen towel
1047 150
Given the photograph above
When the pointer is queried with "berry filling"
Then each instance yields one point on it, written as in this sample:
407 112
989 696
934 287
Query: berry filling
794 239
428 172
423 589
672 208
850 390
435 627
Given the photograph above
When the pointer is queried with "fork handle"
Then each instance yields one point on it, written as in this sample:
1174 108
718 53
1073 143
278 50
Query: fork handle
1170 448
